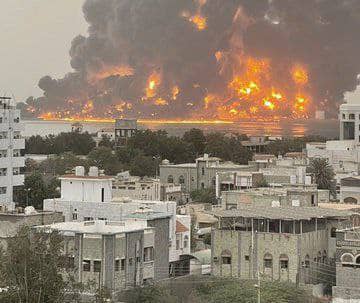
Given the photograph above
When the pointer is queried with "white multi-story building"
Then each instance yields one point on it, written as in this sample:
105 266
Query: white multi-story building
136 188
89 197
11 144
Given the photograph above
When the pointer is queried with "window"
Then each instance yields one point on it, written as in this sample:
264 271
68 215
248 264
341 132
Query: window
202 185
333 232
343 116
74 216
226 260
86 265
170 179
3 171
186 241
347 258
122 264
102 194
181 179
268 262
247 258
177 244
284 262
307 261
2 190
148 254
117 265
70 262
88 219
203 171
97 266
351 116
226 256
102 219
130 261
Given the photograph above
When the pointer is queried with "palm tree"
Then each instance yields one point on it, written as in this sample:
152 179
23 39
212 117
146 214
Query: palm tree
323 173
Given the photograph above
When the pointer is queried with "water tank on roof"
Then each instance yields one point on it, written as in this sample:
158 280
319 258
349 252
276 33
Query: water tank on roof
29 210
79 171
93 171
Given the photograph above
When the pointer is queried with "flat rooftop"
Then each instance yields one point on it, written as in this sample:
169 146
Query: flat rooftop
281 212
149 215
97 227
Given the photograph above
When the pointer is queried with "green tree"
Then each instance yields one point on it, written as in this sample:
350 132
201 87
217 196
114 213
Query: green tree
30 268
196 138
105 158
106 142
62 164
323 173
150 294
34 191
143 166
232 290
205 195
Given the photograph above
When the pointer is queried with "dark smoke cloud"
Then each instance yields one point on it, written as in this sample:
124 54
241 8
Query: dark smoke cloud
152 35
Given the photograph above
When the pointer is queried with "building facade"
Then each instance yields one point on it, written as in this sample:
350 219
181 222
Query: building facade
124 129
115 255
347 289
294 244
11 145
198 175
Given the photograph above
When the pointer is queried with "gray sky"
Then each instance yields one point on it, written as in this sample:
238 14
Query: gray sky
35 40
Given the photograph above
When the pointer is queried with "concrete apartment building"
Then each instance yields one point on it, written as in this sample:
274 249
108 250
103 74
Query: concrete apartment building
116 255
343 154
137 188
11 145
283 243
124 129
350 190
201 174
347 289
11 222
89 198
266 196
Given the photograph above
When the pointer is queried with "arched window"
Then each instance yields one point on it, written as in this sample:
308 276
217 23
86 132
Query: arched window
181 179
350 200
268 261
226 257
347 258
307 261
284 262
186 241
170 179
333 232
357 260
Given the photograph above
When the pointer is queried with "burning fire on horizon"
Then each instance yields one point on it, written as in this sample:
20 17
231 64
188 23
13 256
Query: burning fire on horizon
206 60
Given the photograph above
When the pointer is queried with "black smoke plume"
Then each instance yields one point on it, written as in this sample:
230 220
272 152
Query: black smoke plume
158 36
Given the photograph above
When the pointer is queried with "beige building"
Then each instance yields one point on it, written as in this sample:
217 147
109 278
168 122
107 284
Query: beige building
198 175
281 243
117 255
267 196
11 222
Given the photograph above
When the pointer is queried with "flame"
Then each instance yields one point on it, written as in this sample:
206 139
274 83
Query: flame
152 83
108 71
299 74
161 102
269 104
175 92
